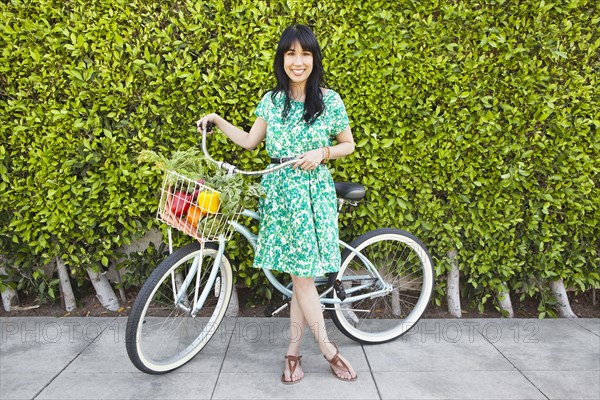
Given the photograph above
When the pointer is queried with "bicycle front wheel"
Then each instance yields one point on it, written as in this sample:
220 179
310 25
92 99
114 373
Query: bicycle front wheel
392 294
161 333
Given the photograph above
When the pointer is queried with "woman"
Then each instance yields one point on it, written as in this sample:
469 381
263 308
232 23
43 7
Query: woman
298 229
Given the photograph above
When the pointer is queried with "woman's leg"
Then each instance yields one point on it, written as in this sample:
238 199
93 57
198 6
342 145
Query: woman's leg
297 326
308 301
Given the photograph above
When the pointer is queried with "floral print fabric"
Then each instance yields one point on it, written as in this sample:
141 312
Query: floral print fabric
298 227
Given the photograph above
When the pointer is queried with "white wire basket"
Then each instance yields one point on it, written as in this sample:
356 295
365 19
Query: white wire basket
194 208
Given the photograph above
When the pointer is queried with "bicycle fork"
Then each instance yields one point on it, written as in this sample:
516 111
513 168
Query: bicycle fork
196 272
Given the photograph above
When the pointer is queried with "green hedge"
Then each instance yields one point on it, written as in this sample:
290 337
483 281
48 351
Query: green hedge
476 124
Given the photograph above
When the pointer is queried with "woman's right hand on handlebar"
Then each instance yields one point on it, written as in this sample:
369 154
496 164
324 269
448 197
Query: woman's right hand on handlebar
207 122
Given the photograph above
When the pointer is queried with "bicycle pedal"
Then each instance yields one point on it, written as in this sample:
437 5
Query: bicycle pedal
339 290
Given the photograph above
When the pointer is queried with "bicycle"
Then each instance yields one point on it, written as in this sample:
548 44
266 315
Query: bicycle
382 289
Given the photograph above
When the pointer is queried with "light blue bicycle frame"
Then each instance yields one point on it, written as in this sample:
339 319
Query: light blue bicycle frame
285 290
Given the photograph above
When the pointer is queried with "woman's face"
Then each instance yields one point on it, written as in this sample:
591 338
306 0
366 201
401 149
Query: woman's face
298 64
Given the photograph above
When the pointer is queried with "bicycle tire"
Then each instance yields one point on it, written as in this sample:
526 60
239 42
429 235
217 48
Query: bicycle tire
153 304
389 316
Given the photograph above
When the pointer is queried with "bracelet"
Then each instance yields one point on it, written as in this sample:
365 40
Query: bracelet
326 154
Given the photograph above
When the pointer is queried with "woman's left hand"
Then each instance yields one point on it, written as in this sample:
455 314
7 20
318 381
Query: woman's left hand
309 160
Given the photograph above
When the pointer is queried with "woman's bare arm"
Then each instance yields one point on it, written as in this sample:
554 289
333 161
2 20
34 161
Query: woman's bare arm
247 140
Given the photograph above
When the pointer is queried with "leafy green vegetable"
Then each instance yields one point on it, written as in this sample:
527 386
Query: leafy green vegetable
189 163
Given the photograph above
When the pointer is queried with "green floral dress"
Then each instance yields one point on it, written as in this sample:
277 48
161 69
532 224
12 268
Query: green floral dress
298 231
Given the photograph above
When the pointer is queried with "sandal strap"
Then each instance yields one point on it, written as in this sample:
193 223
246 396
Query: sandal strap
336 361
335 356
293 359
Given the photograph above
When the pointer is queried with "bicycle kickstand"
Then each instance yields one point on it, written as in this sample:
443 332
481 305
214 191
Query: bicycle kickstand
280 309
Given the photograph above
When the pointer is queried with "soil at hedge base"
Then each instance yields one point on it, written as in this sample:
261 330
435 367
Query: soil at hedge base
582 305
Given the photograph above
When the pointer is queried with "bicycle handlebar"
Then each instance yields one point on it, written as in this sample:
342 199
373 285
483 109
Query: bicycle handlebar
231 169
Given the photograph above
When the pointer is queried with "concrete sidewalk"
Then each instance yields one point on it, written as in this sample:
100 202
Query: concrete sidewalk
85 358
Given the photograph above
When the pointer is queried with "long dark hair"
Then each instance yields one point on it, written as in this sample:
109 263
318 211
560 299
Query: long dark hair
313 103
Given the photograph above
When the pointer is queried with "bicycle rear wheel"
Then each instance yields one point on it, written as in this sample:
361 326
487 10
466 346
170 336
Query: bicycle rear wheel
161 334
407 272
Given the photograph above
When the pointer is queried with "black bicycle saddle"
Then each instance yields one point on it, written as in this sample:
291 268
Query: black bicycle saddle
350 191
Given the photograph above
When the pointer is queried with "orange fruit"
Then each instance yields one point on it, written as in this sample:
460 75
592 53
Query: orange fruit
194 214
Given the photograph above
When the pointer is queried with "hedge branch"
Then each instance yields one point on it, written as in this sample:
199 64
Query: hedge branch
10 298
65 285
560 294
505 303
453 285
104 292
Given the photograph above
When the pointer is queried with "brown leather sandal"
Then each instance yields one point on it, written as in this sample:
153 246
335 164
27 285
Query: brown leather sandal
336 361
297 361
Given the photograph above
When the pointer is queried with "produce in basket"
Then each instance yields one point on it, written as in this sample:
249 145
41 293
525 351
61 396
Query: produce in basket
193 216
180 203
209 201
189 163
231 193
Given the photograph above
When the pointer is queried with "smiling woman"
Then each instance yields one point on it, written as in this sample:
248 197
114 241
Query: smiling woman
300 118
298 54
298 64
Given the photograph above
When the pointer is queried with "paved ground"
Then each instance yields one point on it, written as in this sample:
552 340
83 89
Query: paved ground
85 358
